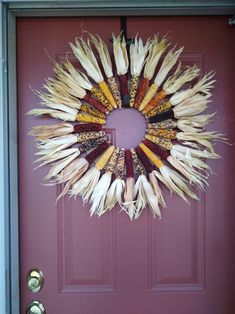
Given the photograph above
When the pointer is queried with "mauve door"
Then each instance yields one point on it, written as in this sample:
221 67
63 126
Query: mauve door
181 264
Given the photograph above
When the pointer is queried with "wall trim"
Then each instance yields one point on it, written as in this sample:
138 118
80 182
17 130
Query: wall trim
120 7
4 206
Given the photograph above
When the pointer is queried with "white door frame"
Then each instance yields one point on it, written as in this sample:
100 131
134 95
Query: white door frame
9 10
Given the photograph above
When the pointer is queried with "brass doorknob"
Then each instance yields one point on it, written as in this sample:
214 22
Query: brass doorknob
36 307
35 280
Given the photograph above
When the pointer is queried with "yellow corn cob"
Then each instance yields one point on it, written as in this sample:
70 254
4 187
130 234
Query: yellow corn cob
100 164
155 160
89 119
105 89
149 95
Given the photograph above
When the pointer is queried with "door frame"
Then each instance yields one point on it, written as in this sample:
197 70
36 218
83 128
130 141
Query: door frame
9 11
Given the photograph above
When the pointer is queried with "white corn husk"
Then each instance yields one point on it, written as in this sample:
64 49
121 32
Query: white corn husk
194 124
120 54
63 95
182 152
62 91
197 98
46 159
202 138
86 184
59 102
169 184
193 175
54 113
204 85
66 187
191 145
80 79
179 78
58 92
49 131
100 193
51 151
145 195
60 165
193 106
77 166
157 190
138 52
175 182
155 52
168 62
194 163
114 195
71 174
104 54
192 157
129 203
51 146
140 195
85 55
191 124
65 88
152 198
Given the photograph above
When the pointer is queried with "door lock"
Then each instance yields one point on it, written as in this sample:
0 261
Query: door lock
36 307
35 280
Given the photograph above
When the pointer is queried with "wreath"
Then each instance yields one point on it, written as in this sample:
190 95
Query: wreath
171 97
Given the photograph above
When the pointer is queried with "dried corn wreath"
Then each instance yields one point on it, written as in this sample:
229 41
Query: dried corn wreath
175 143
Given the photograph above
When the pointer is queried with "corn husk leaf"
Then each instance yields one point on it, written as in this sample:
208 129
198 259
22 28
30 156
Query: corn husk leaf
49 131
155 52
129 203
194 123
138 52
168 62
85 186
104 54
85 55
175 182
192 106
60 165
120 54
204 85
202 138
179 78
114 194
99 194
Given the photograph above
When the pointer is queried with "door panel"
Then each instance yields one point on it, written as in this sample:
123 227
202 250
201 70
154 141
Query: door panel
180 264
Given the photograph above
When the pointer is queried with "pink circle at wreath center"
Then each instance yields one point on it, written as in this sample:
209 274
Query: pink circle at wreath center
128 126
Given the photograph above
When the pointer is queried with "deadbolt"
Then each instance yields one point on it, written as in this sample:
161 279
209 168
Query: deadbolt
36 307
35 280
